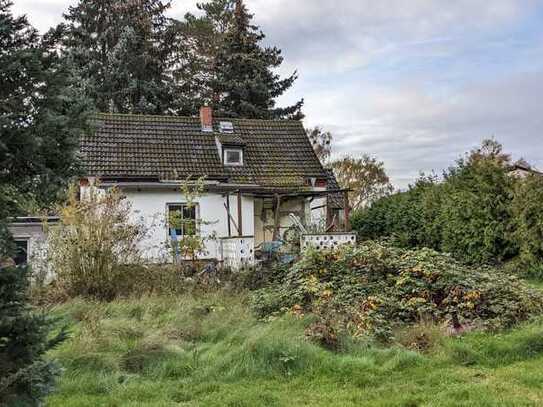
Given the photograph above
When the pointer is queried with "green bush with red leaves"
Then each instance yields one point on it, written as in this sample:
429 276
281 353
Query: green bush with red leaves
374 288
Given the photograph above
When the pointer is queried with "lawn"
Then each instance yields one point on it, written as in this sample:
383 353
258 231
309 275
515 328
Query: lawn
210 351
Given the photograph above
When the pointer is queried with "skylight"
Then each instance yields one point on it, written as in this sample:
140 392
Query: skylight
226 127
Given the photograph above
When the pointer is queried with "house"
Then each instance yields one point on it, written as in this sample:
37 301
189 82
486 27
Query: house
522 169
30 238
260 177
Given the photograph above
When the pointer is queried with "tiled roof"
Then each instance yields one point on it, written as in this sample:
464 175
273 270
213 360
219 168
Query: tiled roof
230 140
336 200
276 153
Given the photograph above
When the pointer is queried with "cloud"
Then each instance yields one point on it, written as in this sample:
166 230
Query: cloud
416 83
337 36
414 131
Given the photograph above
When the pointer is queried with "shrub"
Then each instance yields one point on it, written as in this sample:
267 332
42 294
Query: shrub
467 215
409 218
527 208
92 243
379 287
475 212
422 336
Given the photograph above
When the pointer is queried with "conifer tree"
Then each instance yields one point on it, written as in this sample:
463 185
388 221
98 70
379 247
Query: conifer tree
123 51
42 113
246 84
198 40
222 62
26 376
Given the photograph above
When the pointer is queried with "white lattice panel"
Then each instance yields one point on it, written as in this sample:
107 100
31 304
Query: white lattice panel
238 252
328 240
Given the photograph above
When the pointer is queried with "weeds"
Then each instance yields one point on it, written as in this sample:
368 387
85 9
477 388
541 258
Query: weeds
208 350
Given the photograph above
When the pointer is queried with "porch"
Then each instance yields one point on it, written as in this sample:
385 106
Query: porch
284 222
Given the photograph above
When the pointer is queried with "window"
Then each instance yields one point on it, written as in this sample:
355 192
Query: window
21 256
182 220
226 127
233 157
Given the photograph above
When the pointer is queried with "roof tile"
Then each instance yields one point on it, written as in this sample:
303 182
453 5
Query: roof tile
276 153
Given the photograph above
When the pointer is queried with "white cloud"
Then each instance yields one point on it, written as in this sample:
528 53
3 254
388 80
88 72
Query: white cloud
413 131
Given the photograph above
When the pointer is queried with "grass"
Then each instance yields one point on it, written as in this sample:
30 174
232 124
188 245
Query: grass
210 351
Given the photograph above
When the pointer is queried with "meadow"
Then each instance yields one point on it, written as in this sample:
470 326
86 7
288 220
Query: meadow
209 350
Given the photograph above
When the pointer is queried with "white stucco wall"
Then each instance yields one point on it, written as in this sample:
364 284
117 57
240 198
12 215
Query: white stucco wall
150 207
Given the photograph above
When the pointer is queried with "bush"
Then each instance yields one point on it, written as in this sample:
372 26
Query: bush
469 214
378 288
92 244
409 218
527 208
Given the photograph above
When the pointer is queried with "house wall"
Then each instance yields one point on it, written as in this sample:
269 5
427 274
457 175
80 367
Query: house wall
150 208
36 237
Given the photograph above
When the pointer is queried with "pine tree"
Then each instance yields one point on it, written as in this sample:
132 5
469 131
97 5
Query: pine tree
123 51
26 376
242 78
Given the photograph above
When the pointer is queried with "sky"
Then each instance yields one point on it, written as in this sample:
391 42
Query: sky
416 83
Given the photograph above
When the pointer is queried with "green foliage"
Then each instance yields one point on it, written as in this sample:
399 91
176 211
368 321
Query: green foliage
26 376
123 53
42 112
475 209
246 83
375 288
133 59
527 212
198 39
478 213
409 218
192 243
209 350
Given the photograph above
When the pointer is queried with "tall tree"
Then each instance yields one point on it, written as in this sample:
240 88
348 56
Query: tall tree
245 83
42 113
198 40
365 177
26 375
123 50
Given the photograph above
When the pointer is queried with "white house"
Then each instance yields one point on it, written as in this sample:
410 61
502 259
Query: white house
256 173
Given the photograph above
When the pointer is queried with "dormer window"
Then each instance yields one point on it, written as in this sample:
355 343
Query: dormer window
233 156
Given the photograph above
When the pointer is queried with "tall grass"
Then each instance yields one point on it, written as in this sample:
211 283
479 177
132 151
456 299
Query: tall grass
209 350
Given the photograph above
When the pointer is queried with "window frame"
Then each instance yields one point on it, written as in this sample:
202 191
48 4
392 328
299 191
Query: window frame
182 205
18 240
226 150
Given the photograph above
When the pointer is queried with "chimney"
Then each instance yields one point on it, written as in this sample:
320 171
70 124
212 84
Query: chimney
206 118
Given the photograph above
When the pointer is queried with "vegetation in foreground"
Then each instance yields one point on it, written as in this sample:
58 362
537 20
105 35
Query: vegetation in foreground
208 350
26 375
373 289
